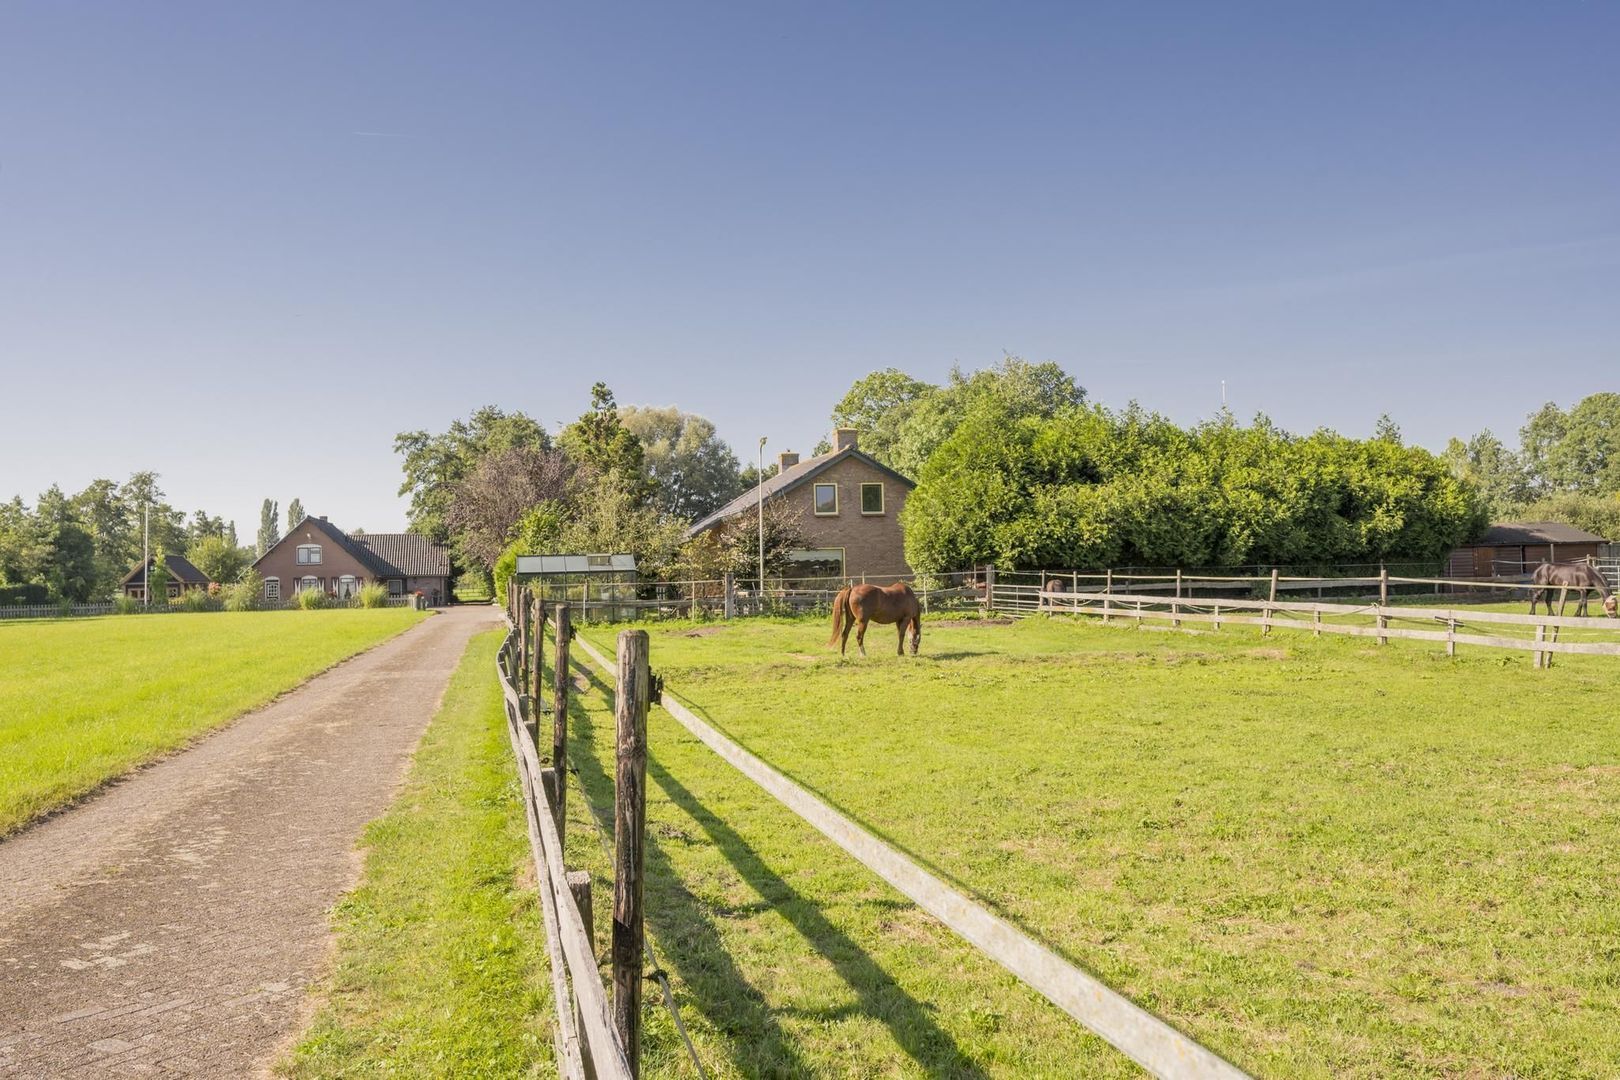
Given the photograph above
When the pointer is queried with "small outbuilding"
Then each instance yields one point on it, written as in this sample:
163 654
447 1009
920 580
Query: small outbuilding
1514 549
183 577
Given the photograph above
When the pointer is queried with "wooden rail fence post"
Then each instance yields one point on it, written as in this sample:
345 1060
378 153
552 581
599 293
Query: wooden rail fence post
1383 602
1265 615
579 886
1108 592
1541 634
1451 637
537 669
989 590
1175 605
559 711
629 838
731 594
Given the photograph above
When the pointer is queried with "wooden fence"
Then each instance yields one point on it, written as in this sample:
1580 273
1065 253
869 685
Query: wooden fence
1175 599
593 1037
78 611
729 597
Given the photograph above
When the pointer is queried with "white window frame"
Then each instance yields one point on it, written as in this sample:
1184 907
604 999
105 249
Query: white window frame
815 500
304 553
308 581
347 586
396 587
883 499
819 555
272 588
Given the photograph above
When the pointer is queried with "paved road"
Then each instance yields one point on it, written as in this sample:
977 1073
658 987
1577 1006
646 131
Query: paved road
171 925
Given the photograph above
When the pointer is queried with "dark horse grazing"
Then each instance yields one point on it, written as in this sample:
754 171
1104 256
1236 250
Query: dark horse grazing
857 605
1582 577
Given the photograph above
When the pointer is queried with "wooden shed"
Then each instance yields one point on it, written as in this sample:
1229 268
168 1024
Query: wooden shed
1514 549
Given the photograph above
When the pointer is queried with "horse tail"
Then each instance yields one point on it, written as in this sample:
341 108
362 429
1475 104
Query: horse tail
840 602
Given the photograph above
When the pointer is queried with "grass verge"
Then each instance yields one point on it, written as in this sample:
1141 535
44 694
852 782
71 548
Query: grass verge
85 700
440 967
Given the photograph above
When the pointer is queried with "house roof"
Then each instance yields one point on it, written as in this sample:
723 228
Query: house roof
181 569
384 554
410 554
787 480
1537 532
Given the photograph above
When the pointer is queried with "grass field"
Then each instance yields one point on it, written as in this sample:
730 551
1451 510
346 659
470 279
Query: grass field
1319 857
440 967
84 700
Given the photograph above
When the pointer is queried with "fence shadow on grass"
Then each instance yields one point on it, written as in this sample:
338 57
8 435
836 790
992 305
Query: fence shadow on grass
692 946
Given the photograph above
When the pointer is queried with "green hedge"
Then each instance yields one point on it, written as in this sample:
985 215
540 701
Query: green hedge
24 594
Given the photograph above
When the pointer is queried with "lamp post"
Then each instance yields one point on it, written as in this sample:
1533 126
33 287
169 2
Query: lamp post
762 520
146 557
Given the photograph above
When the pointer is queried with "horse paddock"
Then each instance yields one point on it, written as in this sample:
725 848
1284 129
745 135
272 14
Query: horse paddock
1318 857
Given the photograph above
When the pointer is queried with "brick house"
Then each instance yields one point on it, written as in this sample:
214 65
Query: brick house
848 508
315 554
183 576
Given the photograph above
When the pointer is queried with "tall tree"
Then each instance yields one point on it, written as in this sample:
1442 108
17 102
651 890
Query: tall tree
488 504
105 513
218 558
693 472
69 568
903 420
1495 471
600 442
295 513
435 463
269 527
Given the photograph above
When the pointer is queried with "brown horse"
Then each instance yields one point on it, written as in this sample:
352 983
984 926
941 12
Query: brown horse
857 605
1581 577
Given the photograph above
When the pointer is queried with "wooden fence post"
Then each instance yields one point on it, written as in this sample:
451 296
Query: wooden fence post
1108 592
1216 622
579 886
537 669
989 590
629 838
1451 636
1541 634
1175 605
731 594
559 712
1383 602
1265 615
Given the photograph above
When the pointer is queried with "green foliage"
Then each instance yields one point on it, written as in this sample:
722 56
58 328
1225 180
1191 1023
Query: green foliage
692 470
269 527
313 599
902 420
1578 450
158 577
539 533
247 594
373 595
28 594
435 463
219 559
295 513
599 442
124 604
1597 514
198 600
1495 471
1089 488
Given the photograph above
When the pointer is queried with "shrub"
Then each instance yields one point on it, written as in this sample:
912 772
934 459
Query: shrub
124 604
24 594
197 600
373 595
313 600
246 594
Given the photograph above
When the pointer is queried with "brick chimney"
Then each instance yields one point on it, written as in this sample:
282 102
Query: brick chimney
786 460
846 438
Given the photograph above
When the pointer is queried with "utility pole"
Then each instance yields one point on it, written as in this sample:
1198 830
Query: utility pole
146 557
762 520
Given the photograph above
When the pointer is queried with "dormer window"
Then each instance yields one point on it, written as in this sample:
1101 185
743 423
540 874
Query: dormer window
309 554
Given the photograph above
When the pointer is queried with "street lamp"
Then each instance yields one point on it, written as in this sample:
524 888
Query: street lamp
762 519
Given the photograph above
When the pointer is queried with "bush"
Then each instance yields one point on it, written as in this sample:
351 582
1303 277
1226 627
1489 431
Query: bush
124 604
246 594
373 595
197 600
313 600
24 594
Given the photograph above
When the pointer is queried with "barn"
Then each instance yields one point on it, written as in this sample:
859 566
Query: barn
1514 549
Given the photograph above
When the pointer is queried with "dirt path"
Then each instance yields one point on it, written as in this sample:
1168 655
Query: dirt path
171 924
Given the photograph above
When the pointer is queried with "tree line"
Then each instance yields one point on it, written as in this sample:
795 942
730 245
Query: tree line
79 547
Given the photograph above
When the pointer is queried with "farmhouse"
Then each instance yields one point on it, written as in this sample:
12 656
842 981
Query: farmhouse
1514 548
847 504
183 576
315 554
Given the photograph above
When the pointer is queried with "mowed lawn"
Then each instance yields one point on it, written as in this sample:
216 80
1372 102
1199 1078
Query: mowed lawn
1319 857
84 700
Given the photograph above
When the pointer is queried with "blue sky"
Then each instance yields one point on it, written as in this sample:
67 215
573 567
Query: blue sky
244 244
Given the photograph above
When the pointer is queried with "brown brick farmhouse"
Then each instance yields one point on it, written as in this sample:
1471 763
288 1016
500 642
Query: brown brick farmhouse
315 554
848 505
